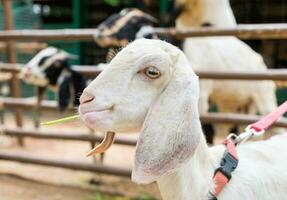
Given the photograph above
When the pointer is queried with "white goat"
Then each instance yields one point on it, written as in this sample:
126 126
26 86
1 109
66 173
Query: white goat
224 54
150 87
199 12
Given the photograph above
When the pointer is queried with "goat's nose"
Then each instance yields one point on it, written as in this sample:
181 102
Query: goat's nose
86 97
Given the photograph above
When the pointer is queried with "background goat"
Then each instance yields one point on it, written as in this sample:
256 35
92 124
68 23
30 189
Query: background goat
121 28
208 54
126 26
150 87
50 67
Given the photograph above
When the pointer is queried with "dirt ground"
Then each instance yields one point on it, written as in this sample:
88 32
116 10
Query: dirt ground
19 188
30 182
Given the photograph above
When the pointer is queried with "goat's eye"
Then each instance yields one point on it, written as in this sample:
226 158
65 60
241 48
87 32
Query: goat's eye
152 72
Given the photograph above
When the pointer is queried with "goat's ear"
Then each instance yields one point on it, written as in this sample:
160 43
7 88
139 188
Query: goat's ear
64 95
170 134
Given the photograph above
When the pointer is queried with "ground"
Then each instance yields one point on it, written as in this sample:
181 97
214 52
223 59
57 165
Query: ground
30 182
18 188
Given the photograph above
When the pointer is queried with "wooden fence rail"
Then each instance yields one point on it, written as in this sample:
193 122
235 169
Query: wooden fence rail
92 72
243 31
65 135
98 168
28 104
239 119
246 31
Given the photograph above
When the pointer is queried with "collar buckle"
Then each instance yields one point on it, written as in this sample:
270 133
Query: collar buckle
228 165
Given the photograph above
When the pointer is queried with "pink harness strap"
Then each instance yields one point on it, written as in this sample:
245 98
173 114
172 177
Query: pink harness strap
228 164
220 180
230 147
229 161
267 121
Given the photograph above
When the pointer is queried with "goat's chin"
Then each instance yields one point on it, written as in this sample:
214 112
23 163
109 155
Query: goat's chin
107 121
97 120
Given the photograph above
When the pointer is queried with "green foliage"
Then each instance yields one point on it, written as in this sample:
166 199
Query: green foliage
113 2
119 2
99 197
143 197
106 197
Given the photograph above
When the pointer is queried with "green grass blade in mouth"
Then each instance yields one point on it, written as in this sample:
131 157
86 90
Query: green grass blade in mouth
62 120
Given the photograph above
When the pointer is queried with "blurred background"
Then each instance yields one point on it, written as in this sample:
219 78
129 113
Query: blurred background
26 181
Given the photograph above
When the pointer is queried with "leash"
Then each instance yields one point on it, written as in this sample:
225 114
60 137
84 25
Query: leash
229 162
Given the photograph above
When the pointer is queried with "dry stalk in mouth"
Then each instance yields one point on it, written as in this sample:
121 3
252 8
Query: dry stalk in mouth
105 144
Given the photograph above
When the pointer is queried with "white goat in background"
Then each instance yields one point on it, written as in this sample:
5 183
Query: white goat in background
150 87
224 54
196 13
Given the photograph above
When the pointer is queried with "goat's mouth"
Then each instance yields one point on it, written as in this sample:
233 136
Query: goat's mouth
94 116
40 81
91 117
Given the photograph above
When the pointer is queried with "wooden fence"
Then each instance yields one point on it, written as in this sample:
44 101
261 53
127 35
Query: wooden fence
247 31
93 71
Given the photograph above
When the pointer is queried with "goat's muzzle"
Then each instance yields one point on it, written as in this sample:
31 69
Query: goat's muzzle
86 97
105 144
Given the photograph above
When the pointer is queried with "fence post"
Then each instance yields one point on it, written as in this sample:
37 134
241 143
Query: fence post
12 58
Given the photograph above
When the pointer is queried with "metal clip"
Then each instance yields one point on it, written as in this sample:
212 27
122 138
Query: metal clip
232 136
248 133
254 132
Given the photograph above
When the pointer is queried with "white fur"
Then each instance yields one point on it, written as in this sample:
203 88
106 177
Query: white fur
171 149
225 54
261 173
144 31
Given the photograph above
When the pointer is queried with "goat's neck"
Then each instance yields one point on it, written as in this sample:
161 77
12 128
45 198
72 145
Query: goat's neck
199 12
193 180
